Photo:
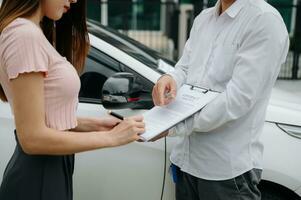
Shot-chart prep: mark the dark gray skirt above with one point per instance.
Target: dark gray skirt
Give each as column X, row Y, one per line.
column 37, row 177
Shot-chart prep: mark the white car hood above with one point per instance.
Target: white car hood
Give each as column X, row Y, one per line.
column 285, row 105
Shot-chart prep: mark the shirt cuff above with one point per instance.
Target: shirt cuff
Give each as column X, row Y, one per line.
column 172, row 132
column 184, row 128
column 176, row 78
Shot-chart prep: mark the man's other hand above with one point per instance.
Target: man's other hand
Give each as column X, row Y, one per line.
column 164, row 91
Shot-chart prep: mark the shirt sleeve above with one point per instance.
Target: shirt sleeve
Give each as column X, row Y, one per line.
column 25, row 52
column 257, row 64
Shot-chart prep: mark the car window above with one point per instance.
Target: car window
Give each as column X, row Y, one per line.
column 98, row 68
column 146, row 84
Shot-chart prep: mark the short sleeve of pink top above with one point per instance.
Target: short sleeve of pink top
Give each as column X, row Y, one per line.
column 24, row 48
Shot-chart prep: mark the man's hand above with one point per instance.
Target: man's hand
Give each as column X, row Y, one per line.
column 164, row 91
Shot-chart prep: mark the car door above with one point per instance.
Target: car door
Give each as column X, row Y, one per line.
column 7, row 137
column 134, row 171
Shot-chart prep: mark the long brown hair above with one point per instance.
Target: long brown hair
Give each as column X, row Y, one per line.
column 69, row 34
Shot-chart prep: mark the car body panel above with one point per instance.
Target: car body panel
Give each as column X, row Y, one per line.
column 135, row 170
column 298, row 192
column 285, row 106
column 281, row 152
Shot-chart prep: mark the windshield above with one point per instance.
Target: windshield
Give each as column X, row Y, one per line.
column 135, row 49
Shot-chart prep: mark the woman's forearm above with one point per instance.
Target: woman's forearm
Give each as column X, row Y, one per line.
column 48, row 141
column 104, row 123
column 41, row 140
column 86, row 125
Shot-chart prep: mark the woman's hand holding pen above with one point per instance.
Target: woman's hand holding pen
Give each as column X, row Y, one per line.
column 164, row 91
column 128, row 130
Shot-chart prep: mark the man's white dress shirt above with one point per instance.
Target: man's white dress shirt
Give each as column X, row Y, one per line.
column 238, row 53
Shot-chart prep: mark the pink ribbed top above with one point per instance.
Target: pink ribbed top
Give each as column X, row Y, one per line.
column 24, row 48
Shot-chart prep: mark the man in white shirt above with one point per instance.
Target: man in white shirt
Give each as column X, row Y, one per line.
column 236, row 48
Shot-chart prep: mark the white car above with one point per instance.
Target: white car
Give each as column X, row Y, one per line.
column 136, row 171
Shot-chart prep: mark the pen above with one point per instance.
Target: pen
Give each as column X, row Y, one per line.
column 115, row 115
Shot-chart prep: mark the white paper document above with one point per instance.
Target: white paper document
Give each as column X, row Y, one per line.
column 189, row 100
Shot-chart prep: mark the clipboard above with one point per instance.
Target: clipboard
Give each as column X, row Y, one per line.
column 205, row 90
column 190, row 100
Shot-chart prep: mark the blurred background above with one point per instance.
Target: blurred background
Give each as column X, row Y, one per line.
column 164, row 25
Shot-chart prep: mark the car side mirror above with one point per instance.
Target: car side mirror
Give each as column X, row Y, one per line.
column 122, row 91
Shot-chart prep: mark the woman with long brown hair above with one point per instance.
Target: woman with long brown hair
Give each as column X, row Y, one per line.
column 43, row 46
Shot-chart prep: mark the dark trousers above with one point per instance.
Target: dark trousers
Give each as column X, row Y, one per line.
column 29, row 177
column 243, row 187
